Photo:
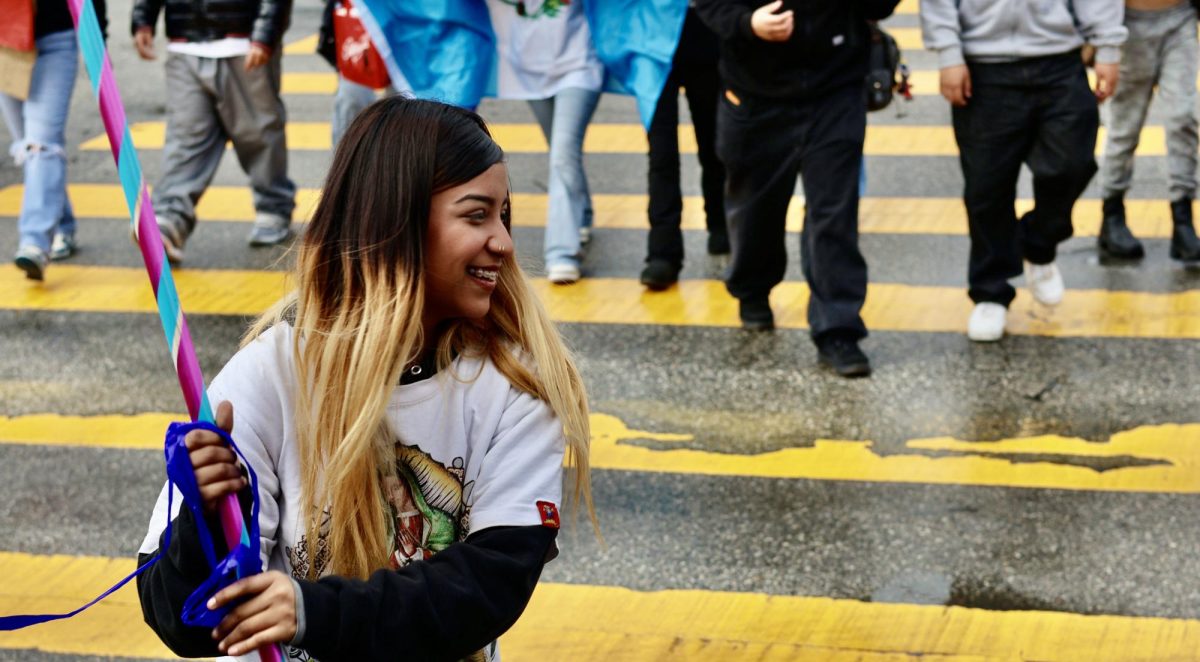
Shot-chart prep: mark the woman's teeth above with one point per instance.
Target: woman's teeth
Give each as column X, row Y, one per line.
column 489, row 275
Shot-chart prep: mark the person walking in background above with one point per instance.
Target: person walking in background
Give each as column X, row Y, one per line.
column 695, row 70
column 1161, row 52
column 794, row 104
column 547, row 57
column 223, row 76
column 1019, row 92
column 350, row 97
column 47, row 222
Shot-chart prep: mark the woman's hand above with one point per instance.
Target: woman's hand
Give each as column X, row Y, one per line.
column 268, row 616
column 216, row 466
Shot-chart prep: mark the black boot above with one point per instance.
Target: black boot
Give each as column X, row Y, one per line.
column 1184, row 244
column 1115, row 238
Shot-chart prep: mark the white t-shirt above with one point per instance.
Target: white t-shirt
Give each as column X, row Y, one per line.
column 540, row 55
column 216, row 49
column 472, row 453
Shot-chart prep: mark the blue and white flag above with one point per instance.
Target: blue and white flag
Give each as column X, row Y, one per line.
column 460, row 51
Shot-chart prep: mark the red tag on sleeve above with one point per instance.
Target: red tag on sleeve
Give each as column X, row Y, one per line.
column 549, row 514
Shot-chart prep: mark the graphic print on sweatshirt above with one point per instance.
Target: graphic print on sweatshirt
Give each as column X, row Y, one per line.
column 429, row 512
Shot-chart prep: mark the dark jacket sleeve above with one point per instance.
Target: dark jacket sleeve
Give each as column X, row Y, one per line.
column 165, row 586
column 729, row 19
column 445, row 608
column 877, row 10
column 326, row 46
column 272, row 22
column 145, row 14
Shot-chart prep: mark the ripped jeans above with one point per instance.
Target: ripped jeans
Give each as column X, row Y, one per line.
column 45, row 207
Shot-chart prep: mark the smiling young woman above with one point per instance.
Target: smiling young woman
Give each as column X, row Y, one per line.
column 407, row 409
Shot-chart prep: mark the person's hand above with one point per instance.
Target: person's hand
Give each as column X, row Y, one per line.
column 268, row 616
column 768, row 25
column 1107, row 76
column 216, row 466
column 258, row 56
column 956, row 84
column 143, row 41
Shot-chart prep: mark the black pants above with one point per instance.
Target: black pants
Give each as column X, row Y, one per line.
column 701, row 83
column 1040, row 112
column 764, row 143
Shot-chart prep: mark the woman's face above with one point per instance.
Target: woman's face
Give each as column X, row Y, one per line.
column 465, row 246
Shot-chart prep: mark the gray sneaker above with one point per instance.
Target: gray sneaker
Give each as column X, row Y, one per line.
column 33, row 261
column 269, row 230
column 172, row 240
column 63, row 246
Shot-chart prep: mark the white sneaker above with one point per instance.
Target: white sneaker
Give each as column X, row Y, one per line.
column 563, row 274
column 987, row 322
column 585, row 235
column 62, row 247
column 1045, row 283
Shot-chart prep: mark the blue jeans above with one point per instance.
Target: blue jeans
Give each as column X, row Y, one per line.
column 45, row 207
column 564, row 119
column 349, row 100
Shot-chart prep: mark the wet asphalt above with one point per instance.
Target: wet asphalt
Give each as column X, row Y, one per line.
column 736, row 392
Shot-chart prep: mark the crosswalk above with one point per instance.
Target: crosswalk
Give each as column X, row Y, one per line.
column 882, row 140
column 720, row 497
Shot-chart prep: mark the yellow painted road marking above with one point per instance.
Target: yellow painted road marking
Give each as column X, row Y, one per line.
column 907, row 7
column 882, row 140
column 1176, row 449
column 889, row 306
column 877, row 215
column 303, row 46
column 924, row 82
column 581, row 622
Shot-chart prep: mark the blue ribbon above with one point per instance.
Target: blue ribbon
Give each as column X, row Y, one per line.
column 242, row 561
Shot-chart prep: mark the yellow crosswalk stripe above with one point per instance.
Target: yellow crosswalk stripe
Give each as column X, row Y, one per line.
column 924, row 82
column 877, row 215
column 1166, row 454
column 303, row 46
column 889, row 306
column 583, row 622
column 882, row 140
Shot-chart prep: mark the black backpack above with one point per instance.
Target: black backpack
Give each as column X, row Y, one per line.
column 883, row 63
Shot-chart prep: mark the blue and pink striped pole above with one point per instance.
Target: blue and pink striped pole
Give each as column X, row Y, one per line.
column 145, row 227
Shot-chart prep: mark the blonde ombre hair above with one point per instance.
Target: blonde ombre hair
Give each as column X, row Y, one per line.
column 357, row 309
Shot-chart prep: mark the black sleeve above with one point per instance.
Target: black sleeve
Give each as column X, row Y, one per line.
column 272, row 22
column 102, row 16
column 165, row 586
column 442, row 609
column 729, row 19
column 145, row 14
column 877, row 10
column 326, row 47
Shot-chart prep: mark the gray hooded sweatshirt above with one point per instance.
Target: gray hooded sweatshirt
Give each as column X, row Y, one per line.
column 1011, row 30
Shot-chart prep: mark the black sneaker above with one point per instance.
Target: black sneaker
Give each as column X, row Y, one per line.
column 718, row 243
column 756, row 314
column 842, row 355
column 659, row 275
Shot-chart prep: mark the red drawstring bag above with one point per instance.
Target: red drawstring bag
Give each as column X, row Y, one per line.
column 357, row 59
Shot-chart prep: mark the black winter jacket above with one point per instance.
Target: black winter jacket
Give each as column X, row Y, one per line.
column 827, row 49
column 263, row 21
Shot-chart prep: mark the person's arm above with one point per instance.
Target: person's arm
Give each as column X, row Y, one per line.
column 941, row 31
column 145, row 15
column 729, row 19
column 165, row 586
column 445, row 608
column 272, row 20
column 877, row 10
column 1102, row 24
